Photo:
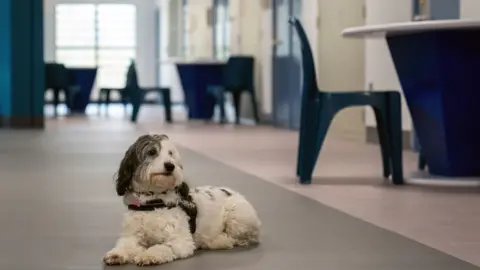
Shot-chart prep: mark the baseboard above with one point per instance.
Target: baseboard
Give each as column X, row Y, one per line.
column 372, row 137
column 266, row 119
column 22, row 122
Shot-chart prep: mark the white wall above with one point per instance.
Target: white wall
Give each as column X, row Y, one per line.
column 235, row 15
column 341, row 62
column 379, row 68
column 170, row 42
column 145, row 34
column 199, row 32
column 246, row 15
column 245, row 35
column 469, row 9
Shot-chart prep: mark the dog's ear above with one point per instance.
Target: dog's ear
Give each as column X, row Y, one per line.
column 184, row 191
column 126, row 171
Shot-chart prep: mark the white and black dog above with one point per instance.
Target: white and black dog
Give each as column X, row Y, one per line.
column 166, row 220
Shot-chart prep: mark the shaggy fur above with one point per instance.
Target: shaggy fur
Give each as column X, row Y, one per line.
column 151, row 172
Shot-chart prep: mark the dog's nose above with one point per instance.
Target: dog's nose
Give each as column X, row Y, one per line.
column 169, row 167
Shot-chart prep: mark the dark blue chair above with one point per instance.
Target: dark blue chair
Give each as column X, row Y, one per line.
column 238, row 77
column 135, row 94
column 320, row 107
column 57, row 78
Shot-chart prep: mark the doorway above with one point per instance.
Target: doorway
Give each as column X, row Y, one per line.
column 286, row 61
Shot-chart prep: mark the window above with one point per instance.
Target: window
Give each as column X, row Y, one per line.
column 221, row 29
column 75, row 34
column 116, row 42
column 102, row 35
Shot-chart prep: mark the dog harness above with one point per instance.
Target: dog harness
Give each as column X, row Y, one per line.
column 189, row 207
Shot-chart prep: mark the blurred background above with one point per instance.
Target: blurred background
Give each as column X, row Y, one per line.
column 228, row 80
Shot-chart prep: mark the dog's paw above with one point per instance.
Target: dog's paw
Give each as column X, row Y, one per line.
column 222, row 241
column 146, row 259
column 115, row 258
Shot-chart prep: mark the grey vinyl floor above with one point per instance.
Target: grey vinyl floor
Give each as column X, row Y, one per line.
column 59, row 211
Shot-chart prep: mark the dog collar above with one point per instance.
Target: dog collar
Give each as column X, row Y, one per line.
column 150, row 205
column 189, row 208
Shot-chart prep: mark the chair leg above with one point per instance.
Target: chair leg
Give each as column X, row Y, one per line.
column 124, row 99
column 306, row 143
column 56, row 101
column 219, row 94
column 237, row 102
column 315, row 134
column 135, row 110
column 384, row 143
column 395, row 137
column 100, row 101
column 253, row 99
column 306, row 117
column 221, row 104
column 167, row 103
column 422, row 161
column 107, row 100
column 136, row 100
column 300, row 149
column 66, row 94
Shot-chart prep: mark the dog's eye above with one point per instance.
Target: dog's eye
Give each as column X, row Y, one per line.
column 152, row 152
column 170, row 153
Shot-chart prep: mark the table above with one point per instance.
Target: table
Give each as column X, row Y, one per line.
column 438, row 65
column 83, row 78
column 196, row 77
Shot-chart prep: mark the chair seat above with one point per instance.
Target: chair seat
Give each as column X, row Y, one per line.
column 353, row 98
column 135, row 95
column 155, row 89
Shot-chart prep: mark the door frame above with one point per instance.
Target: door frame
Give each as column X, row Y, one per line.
column 158, row 45
column 310, row 19
column 290, row 97
column 275, row 46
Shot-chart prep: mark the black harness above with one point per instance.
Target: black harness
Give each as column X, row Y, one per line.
column 188, row 207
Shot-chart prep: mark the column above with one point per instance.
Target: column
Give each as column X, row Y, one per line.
column 21, row 64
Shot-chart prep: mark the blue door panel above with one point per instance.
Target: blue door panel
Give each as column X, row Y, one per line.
column 286, row 66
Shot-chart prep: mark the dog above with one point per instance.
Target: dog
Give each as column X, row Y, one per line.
column 166, row 220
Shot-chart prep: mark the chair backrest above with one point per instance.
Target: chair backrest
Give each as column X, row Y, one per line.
column 239, row 73
column 56, row 76
column 308, row 65
column 131, row 80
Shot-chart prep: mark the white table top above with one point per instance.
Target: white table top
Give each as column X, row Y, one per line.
column 199, row 61
column 381, row 30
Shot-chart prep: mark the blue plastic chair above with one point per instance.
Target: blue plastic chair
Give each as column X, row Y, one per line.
column 238, row 77
column 320, row 107
column 133, row 93
column 57, row 79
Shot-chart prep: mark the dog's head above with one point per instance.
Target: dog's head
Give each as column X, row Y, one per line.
column 151, row 164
